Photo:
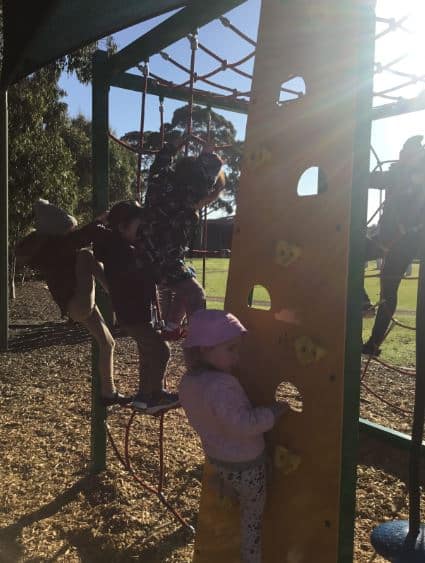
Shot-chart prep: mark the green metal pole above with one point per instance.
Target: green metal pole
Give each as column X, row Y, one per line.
column 129, row 81
column 4, row 224
column 100, row 151
column 360, row 181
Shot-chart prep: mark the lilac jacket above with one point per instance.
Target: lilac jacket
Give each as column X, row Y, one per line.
column 218, row 409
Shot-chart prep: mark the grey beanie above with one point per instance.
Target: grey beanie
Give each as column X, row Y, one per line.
column 52, row 220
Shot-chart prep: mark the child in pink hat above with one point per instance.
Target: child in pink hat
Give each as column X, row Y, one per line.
column 230, row 428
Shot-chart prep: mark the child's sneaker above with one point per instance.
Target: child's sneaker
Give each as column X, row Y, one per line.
column 370, row 349
column 368, row 310
column 116, row 399
column 165, row 401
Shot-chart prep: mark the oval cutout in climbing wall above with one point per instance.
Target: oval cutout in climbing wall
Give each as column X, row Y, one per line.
column 287, row 391
column 290, row 90
column 259, row 298
column 312, row 182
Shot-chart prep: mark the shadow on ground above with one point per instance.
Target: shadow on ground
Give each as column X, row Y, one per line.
column 27, row 337
column 91, row 547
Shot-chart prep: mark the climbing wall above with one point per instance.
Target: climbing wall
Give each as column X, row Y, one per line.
column 295, row 246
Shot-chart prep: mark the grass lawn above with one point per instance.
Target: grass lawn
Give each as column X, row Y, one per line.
column 406, row 293
column 216, row 278
column 399, row 347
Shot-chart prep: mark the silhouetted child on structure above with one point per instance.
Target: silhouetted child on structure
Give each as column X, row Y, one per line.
column 230, row 428
column 399, row 231
column 57, row 249
column 177, row 190
column 132, row 289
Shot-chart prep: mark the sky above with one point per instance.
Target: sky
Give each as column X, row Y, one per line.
column 388, row 135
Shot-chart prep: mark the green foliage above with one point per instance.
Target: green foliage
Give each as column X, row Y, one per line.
column 122, row 172
column 80, row 61
column 40, row 163
column 222, row 131
column 49, row 155
column 122, row 166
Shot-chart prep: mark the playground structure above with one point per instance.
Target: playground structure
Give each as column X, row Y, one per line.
column 321, row 361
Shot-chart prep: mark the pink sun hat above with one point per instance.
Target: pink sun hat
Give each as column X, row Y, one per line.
column 209, row 327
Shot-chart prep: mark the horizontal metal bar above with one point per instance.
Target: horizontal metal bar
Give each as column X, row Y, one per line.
column 397, row 439
column 133, row 82
column 399, row 108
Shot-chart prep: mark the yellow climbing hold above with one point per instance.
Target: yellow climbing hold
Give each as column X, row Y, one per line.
column 286, row 461
column 308, row 351
column 286, row 253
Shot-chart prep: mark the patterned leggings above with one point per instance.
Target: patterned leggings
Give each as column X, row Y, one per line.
column 250, row 488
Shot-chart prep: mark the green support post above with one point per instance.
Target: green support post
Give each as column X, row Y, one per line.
column 4, row 224
column 360, row 182
column 100, row 203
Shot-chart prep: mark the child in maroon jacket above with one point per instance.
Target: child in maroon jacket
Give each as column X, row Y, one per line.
column 132, row 289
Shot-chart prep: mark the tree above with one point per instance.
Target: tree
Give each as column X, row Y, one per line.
column 222, row 132
column 122, row 172
column 122, row 166
column 40, row 163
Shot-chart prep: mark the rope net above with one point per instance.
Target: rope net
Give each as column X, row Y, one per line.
column 399, row 77
column 398, row 55
column 125, row 457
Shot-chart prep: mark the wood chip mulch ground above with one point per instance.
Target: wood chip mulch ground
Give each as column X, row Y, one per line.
column 51, row 510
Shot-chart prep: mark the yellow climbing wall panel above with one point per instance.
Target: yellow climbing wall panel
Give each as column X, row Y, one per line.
column 297, row 248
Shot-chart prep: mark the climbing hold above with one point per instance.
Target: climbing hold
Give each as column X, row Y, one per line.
column 258, row 158
column 286, row 253
column 308, row 351
column 286, row 461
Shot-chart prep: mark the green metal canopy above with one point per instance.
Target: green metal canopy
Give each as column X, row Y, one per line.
column 36, row 33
